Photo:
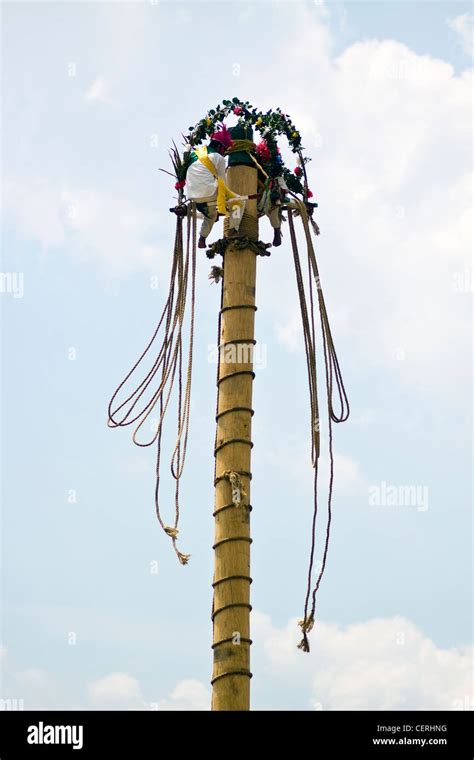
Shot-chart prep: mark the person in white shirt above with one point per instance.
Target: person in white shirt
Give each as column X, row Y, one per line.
column 202, row 184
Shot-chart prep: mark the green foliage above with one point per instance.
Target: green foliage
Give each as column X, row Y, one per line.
column 180, row 163
column 270, row 125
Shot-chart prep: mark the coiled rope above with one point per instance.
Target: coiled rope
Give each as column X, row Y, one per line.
column 334, row 381
column 142, row 401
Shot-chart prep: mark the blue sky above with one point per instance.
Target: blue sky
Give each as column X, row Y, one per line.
column 93, row 95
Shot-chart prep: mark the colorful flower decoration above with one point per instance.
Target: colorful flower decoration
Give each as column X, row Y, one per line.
column 271, row 125
column 263, row 152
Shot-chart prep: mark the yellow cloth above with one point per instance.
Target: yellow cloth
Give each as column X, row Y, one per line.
column 223, row 192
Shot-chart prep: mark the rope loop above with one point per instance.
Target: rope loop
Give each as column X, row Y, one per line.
column 153, row 392
column 333, row 382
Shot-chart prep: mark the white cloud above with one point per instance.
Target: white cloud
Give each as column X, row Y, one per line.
column 111, row 228
column 37, row 688
column 189, row 694
column 98, row 91
column 94, row 224
column 122, row 691
column 390, row 135
column 463, row 26
column 290, row 332
column 35, row 206
column 381, row 664
column 35, row 677
column 116, row 691
column 296, row 454
column 348, row 475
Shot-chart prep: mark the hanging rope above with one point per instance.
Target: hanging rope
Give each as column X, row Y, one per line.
column 334, row 381
column 143, row 400
column 155, row 388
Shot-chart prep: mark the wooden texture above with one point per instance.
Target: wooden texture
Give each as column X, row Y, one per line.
column 232, row 557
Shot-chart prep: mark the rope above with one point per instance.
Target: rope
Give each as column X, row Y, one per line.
column 235, row 481
column 235, row 409
column 239, row 306
column 249, row 147
column 333, row 378
column 142, row 401
column 241, row 672
column 232, row 538
column 233, row 440
column 231, row 506
column 241, row 146
column 232, row 578
column 220, row 246
column 216, row 274
column 230, row 606
column 235, row 374
column 231, row 640
column 248, row 227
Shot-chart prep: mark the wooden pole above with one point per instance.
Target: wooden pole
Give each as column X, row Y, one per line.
column 231, row 605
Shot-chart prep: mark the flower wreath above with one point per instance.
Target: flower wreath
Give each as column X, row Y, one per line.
column 269, row 124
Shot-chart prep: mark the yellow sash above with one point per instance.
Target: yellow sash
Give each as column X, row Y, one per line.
column 223, row 192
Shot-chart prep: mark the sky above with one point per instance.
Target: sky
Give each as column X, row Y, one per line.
column 96, row 611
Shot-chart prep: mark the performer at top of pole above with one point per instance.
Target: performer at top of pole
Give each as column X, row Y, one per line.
column 205, row 173
column 200, row 172
column 272, row 188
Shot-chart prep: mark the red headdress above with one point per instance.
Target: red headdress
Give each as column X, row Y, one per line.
column 223, row 136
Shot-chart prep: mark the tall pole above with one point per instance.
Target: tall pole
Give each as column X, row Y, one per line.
column 231, row 605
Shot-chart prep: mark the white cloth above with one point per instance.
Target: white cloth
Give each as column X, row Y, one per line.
column 200, row 182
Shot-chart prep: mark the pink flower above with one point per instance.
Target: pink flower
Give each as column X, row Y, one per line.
column 180, row 184
column 263, row 152
column 298, row 171
column 237, row 110
column 309, row 194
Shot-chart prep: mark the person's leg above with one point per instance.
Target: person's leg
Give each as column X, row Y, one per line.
column 275, row 220
column 209, row 211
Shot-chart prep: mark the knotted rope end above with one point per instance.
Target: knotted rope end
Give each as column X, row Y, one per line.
column 216, row 274
column 237, row 488
column 304, row 644
column 306, row 626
